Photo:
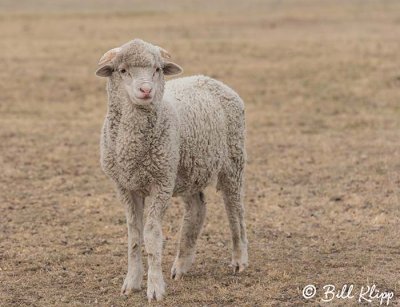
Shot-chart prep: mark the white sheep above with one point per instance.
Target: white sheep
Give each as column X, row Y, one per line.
column 162, row 139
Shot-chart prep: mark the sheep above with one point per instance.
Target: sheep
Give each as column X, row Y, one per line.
column 163, row 139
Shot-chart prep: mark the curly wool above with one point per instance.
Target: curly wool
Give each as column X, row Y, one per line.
column 184, row 140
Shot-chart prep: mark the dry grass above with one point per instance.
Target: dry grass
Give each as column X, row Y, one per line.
column 321, row 84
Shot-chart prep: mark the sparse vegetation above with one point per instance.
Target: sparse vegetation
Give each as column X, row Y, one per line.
column 321, row 85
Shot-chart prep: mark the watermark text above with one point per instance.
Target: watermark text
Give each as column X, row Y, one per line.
column 361, row 294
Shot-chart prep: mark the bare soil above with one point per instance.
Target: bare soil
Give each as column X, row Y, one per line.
column 321, row 84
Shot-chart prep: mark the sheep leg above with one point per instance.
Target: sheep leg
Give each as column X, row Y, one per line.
column 235, row 211
column 231, row 184
column 195, row 212
column 134, row 216
column 153, row 239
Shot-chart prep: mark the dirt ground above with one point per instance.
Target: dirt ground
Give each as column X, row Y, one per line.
column 321, row 85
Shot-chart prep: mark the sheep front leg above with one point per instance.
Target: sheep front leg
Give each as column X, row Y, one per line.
column 134, row 217
column 153, row 239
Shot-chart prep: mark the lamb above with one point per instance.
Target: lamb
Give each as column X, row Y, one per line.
column 162, row 139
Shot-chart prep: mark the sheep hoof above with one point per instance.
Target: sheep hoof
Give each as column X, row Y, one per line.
column 238, row 267
column 155, row 289
column 181, row 267
column 130, row 284
column 175, row 274
column 156, row 296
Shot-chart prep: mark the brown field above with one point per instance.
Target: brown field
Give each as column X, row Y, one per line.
column 321, row 82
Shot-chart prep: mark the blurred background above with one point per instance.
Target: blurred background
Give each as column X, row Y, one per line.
column 320, row 80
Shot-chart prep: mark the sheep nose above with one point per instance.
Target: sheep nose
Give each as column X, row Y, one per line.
column 145, row 88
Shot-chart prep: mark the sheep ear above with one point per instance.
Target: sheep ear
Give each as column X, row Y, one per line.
column 104, row 71
column 172, row 69
column 105, row 63
column 109, row 56
column 164, row 53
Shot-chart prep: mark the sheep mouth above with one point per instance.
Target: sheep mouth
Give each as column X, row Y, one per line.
column 145, row 99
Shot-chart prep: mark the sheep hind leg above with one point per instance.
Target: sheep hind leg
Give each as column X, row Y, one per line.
column 232, row 192
column 195, row 212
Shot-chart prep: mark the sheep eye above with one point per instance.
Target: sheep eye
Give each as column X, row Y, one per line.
column 156, row 71
column 122, row 71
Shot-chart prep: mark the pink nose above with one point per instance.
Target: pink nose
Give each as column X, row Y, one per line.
column 145, row 88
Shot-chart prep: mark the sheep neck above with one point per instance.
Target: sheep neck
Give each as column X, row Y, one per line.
column 129, row 136
column 124, row 117
column 137, row 119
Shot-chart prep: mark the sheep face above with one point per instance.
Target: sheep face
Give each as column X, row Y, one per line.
column 141, row 83
column 140, row 68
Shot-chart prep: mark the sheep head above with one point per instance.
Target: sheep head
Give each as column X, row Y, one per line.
column 140, row 66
